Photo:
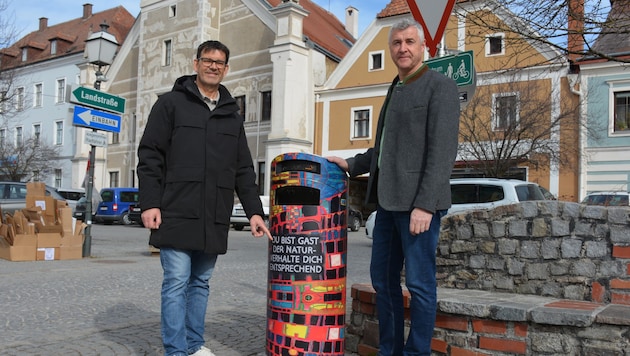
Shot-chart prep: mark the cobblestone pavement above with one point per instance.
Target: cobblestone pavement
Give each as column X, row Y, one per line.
column 109, row 303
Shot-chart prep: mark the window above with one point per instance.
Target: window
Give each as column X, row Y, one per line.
column 38, row 95
column 115, row 137
column 261, row 178
column 19, row 136
column 172, row 11
column 58, row 178
column 505, row 111
column 37, row 128
column 495, row 44
column 240, row 101
column 361, row 122
column 53, row 47
column 24, row 54
column 113, row 179
column 265, row 110
column 59, row 133
column 61, row 91
column 3, row 136
column 19, row 99
column 167, row 49
column 376, row 60
column 622, row 112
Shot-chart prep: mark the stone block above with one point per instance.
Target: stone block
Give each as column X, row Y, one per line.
column 530, row 249
column 508, row 246
column 562, row 316
column 595, row 212
column 620, row 234
column 518, row 228
column 537, row 271
column 481, row 230
column 560, row 227
column 585, row 268
column 571, row 248
column 596, row 249
column 499, row 229
column 618, row 215
column 540, row 228
column 551, row 248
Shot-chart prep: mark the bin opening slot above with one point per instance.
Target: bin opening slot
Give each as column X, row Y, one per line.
column 298, row 165
column 296, row 195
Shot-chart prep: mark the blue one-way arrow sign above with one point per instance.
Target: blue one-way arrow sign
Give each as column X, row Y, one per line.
column 95, row 119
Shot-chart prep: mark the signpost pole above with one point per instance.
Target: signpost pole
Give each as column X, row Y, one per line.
column 87, row 245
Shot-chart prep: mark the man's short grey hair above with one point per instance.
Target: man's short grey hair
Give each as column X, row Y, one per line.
column 405, row 24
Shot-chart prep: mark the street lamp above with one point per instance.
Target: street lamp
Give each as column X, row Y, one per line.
column 100, row 49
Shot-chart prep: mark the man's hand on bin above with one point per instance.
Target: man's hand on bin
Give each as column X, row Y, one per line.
column 341, row 162
column 258, row 226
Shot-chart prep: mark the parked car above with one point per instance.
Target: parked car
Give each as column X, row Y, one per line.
column 488, row 193
column 482, row 193
column 369, row 224
column 13, row 196
column 72, row 195
column 135, row 214
column 80, row 209
column 608, row 199
column 115, row 204
column 239, row 220
column 355, row 219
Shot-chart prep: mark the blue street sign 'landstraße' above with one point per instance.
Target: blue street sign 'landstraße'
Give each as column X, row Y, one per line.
column 95, row 119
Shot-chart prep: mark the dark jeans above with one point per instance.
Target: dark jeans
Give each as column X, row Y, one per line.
column 392, row 246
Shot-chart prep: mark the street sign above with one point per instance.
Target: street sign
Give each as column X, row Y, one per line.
column 95, row 139
column 98, row 99
column 433, row 16
column 459, row 67
column 95, row 119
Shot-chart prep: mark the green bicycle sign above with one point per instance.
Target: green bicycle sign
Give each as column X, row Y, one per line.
column 458, row 67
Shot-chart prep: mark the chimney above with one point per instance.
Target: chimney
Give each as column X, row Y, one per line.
column 43, row 23
column 575, row 35
column 352, row 21
column 87, row 10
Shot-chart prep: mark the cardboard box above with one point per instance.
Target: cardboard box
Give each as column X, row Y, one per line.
column 47, row 204
column 50, row 239
column 65, row 220
column 71, row 252
column 35, row 188
column 24, row 248
column 47, row 253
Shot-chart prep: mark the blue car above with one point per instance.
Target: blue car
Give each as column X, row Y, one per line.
column 115, row 205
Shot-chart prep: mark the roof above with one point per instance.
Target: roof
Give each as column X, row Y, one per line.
column 615, row 40
column 70, row 35
column 324, row 29
column 400, row 7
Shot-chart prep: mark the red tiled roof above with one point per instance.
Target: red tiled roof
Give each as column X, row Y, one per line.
column 395, row 7
column 399, row 7
column 324, row 29
column 73, row 33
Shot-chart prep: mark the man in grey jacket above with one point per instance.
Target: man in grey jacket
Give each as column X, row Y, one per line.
column 410, row 166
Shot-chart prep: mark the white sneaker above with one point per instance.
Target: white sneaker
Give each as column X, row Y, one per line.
column 203, row 351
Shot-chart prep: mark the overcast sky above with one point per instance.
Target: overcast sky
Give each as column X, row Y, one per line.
column 26, row 13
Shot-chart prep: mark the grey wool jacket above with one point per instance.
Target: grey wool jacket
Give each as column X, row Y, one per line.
column 418, row 128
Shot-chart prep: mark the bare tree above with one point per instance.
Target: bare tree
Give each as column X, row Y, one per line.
column 520, row 126
column 31, row 159
column 574, row 28
column 11, row 99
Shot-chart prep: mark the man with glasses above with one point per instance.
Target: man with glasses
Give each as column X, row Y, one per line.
column 192, row 156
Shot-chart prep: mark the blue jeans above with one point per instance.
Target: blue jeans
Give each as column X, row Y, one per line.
column 392, row 246
column 185, row 293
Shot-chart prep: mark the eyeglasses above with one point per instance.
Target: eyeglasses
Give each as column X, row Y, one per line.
column 209, row 61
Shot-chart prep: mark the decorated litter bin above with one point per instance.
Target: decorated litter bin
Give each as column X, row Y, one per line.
column 306, row 300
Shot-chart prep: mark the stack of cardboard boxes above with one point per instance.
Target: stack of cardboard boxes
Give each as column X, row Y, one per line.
column 44, row 231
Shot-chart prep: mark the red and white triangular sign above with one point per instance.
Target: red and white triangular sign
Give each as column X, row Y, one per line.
column 433, row 16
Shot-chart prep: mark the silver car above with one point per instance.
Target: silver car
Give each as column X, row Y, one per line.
column 13, row 196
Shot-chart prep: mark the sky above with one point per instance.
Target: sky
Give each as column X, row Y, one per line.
column 26, row 13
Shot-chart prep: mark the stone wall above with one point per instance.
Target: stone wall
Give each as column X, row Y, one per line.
column 536, row 278
column 547, row 248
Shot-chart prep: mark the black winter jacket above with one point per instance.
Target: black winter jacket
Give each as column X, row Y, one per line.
column 190, row 162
